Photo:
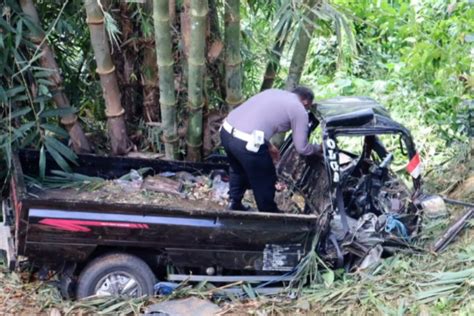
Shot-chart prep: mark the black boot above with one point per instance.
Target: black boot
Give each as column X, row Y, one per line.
column 237, row 206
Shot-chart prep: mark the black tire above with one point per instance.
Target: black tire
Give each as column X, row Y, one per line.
column 116, row 263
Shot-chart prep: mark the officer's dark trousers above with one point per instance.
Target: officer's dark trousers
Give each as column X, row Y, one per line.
column 249, row 170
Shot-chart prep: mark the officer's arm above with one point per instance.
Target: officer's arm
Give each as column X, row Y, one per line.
column 299, row 127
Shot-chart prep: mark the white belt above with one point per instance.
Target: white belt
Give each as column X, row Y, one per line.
column 236, row 133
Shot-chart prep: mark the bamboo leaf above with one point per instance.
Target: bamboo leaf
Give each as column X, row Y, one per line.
column 19, row 33
column 21, row 131
column 14, row 91
column 3, row 95
column 436, row 292
column 112, row 308
column 30, row 138
column 55, row 129
column 61, row 148
column 42, row 99
column 58, row 112
column 42, row 163
column 20, row 98
column 45, row 82
column 57, row 158
column 113, row 31
column 5, row 25
column 463, row 274
column 76, row 176
column 28, row 64
column 20, row 112
column 43, row 73
column 249, row 291
column 328, row 278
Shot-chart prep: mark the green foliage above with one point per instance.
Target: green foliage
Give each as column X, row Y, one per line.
column 62, row 180
column 414, row 59
column 27, row 117
column 262, row 22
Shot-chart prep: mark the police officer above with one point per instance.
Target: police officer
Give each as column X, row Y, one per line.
column 246, row 134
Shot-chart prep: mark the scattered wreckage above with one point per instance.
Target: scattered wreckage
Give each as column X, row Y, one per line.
column 107, row 242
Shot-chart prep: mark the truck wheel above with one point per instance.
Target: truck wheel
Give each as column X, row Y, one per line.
column 116, row 274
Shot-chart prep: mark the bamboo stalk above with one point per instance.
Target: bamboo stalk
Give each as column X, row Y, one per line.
column 172, row 11
column 149, row 72
column 164, row 56
column 119, row 140
column 124, row 60
column 80, row 143
column 150, row 80
column 301, row 48
column 216, row 66
column 298, row 59
column 274, row 59
column 196, row 71
column 233, row 60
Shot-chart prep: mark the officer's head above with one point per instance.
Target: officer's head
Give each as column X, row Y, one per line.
column 305, row 94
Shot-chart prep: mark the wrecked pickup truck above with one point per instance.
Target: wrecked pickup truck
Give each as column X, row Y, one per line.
column 351, row 203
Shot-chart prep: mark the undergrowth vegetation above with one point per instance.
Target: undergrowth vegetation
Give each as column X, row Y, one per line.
column 414, row 58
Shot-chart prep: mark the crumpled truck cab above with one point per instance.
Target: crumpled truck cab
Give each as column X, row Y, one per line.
column 366, row 209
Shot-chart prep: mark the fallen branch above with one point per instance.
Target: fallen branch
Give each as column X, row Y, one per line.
column 452, row 231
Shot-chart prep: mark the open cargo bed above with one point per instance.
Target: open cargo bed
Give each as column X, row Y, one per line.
column 50, row 224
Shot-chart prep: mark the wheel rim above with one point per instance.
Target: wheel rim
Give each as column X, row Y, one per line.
column 118, row 283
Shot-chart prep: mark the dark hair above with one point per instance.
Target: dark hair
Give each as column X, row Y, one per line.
column 304, row 93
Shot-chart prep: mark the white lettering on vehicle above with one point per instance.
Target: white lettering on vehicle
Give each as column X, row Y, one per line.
column 332, row 156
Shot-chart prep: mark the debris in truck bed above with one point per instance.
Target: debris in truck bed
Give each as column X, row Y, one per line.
column 162, row 184
column 154, row 190
column 168, row 189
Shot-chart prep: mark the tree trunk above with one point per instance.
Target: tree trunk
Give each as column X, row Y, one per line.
column 124, row 60
column 119, row 140
column 164, row 56
column 301, row 48
column 275, row 55
column 150, row 84
column 149, row 71
column 196, row 72
column 79, row 141
column 214, row 19
column 172, row 11
column 298, row 59
column 233, row 60
column 216, row 67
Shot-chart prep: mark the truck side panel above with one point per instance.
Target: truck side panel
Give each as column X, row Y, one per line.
column 208, row 238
